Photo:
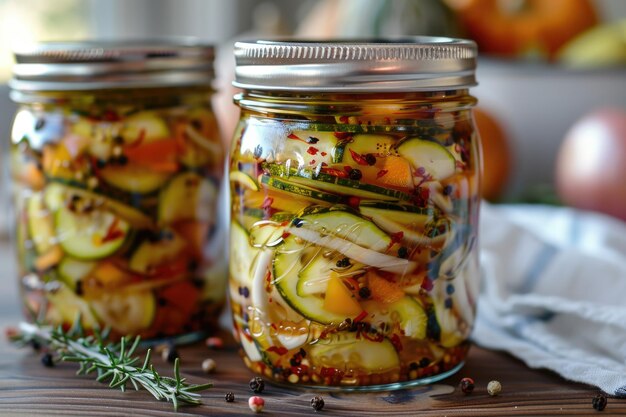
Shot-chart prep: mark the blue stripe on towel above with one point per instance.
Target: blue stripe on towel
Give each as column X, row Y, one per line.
column 542, row 260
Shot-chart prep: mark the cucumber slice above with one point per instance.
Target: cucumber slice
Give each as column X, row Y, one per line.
column 345, row 351
column 348, row 226
column 65, row 306
column 40, row 224
column 407, row 215
column 72, row 270
column 379, row 145
column 188, row 196
column 302, row 191
column 289, row 260
column 431, row 156
column 243, row 180
column 151, row 254
column 353, row 188
column 91, row 235
column 241, row 255
column 126, row 312
column 313, row 279
column 134, row 179
column 57, row 194
column 406, row 312
column 266, row 234
column 146, row 125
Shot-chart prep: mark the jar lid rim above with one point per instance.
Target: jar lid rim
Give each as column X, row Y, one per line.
column 360, row 65
column 106, row 64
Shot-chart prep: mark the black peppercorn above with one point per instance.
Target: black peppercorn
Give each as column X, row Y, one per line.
column 424, row 362
column 365, row 292
column 229, row 397
column 317, row 403
column 403, row 252
column 47, row 360
column 257, row 384
column 599, row 402
column 40, row 123
column 355, row 174
column 447, row 190
column 467, row 385
column 370, row 158
column 343, row 263
column 170, row 354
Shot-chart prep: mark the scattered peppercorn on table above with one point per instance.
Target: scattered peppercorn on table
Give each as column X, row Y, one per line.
column 28, row 387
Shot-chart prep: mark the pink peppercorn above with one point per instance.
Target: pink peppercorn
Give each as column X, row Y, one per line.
column 256, row 403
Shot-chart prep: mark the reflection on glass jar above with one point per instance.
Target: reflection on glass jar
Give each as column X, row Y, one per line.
column 354, row 225
column 116, row 193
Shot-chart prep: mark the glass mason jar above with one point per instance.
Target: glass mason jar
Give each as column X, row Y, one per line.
column 354, row 179
column 117, row 163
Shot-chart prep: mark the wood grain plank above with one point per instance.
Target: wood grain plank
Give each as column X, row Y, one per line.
column 28, row 388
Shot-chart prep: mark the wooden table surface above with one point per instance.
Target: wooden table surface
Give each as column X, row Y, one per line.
column 28, row 388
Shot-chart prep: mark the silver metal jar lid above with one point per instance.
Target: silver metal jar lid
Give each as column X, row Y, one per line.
column 409, row 64
column 98, row 65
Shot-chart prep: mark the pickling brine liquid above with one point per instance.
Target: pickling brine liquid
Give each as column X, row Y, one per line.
column 116, row 196
column 353, row 259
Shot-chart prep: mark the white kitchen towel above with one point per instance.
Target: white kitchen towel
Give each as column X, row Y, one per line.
column 554, row 291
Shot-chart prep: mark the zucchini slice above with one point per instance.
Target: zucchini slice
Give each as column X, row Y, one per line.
column 243, row 180
column 126, row 312
column 90, row 235
column 65, row 306
column 72, row 270
column 289, row 260
column 188, row 196
column 431, row 156
column 345, row 351
column 407, row 313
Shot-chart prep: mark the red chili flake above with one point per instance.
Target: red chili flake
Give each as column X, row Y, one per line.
column 397, row 237
column 460, row 164
column 113, row 232
column 395, row 340
column 354, row 202
column 360, row 317
column 342, row 135
column 328, row 372
column 323, row 154
column 387, row 121
column 358, row 158
column 312, row 150
column 382, row 173
column 344, row 119
column 312, row 162
column 427, row 284
column 267, row 203
column 347, row 169
column 279, row 350
column 285, row 235
column 334, row 172
column 111, row 116
column 293, row 136
column 373, row 337
column 424, row 193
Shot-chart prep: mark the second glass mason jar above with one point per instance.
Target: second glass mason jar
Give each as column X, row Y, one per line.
column 117, row 164
column 354, row 179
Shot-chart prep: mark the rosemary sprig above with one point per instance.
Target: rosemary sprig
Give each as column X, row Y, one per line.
column 114, row 361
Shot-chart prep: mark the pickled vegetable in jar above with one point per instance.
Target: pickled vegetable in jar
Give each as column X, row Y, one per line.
column 354, row 179
column 117, row 165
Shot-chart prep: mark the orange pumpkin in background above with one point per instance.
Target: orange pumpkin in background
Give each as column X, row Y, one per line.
column 497, row 156
column 524, row 27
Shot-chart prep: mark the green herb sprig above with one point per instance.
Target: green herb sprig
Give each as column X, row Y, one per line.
column 114, row 361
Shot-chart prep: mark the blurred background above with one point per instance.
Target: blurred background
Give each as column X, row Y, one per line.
column 552, row 73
